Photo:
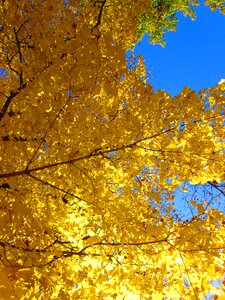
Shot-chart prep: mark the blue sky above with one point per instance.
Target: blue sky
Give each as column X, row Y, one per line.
column 194, row 55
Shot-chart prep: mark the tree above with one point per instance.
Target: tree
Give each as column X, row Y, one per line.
column 90, row 159
column 160, row 16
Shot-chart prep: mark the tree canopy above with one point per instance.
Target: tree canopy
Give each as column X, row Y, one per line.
column 91, row 158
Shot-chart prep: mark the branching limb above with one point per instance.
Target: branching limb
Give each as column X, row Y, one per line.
column 215, row 185
column 59, row 189
column 9, row 99
column 102, row 4
column 94, row 153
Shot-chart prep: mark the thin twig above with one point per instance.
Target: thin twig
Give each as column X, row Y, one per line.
column 59, row 189
column 216, row 187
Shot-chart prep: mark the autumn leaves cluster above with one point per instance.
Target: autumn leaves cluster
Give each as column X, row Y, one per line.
column 91, row 157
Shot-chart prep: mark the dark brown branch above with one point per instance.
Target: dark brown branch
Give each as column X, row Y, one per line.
column 94, row 153
column 14, row 138
column 18, row 45
column 3, row 94
column 56, row 241
column 103, row 2
column 85, row 174
column 14, row 70
column 13, row 94
column 8, row 101
column 214, row 185
column 59, row 189
column 20, row 56
column 9, row 60
column 125, row 244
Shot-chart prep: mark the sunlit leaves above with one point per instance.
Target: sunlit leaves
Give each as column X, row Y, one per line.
column 91, row 157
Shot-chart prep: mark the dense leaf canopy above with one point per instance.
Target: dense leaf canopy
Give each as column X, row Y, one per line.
column 91, row 157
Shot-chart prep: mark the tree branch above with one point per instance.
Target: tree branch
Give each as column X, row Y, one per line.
column 59, row 189
column 94, row 153
column 216, row 187
column 103, row 2
column 9, row 99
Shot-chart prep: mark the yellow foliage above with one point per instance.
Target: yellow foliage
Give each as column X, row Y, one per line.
column 88, row 154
